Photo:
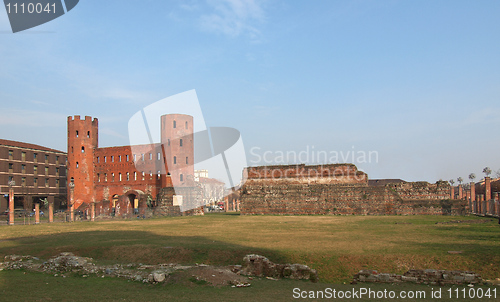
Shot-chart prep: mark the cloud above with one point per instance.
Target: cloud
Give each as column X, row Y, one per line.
column 234, row 17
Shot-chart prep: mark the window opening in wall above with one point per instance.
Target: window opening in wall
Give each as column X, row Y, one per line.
column 88, row 134
column 112, row 159
column 35, row 170
column 98, row 177
column 76, row 133
column 57, row 159
column 47, row 170
column 135, row 157
column 119, row 158
column 158, row 156
column 135, row 175
column 119, row 177
column 104, row 158
column 150, row 156
column 98, row 159
column 35, row 182
column 23, row 156
column 34, row 157
column 23, row 180
column 128, row 176
column 186, row 125
column 175, row 159
column 181, row 142
column 105, row 176
column 76, row 167
column 57, row 171
column 142, row 156
column 174, row 124
column 143, row 174
column 11, row 168
column 57, row 183
column 181, row 177
column 112, row 177
column 23, row 168
column 83, row 149
column 187, row 160
column 158, row 174
column 150, row 174
column 11, row 154
column 71, row 149
column 169, row 142
column 46, row 158
column 46, row 182
column 126, row 157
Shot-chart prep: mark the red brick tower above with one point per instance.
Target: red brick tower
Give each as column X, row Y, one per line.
column 178, row 148
column 82, row 142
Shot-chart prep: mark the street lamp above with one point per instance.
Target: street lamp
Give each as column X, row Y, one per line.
column 11, row 184
column 71, row 201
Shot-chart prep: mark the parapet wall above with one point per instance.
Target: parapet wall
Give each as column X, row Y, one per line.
column 345, row 194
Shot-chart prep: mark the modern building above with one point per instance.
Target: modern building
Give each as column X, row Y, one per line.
column 34, row 171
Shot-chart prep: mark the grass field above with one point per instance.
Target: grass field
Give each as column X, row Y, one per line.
column 337, row 246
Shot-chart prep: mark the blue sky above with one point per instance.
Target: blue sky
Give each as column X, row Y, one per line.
column 416, row 81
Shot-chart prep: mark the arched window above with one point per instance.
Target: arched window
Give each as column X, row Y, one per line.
column 88, row 134
column 175, row 159
column 181, row 142
column 174, row 124
column 119, row 177
column 77, row 165
column 83, row 149
column 76, row 133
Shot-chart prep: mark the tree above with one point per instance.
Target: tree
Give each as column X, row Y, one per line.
column 451, row 181
column 498, row 173
column 472, row 176
column 487, row 171
column 460, row 179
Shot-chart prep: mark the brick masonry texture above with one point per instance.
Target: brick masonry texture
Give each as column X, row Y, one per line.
column 339, row 189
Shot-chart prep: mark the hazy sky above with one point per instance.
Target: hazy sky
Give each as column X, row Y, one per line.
column 417, row 82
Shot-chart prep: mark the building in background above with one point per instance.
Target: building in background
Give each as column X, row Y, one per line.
column 38, row 173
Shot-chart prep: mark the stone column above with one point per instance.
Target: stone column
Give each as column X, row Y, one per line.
column 92, row 211
column 51, row 211
column 37, row 213
column 487, row 188
column 472, row 191
column 452, row 192
column 460, row 192
column 11, row 206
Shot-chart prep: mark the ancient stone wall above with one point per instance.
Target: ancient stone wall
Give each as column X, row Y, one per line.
column 265, row 193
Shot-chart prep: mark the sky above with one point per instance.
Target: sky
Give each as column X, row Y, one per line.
column 411, row 88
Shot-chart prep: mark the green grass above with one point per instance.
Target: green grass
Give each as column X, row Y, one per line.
column 337, row 246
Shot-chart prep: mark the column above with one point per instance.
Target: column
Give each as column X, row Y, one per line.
column 11, row 206
column 37, row 213
column 487, row 185
column 452, row 192
column 460, row 192
column 51, row 208
column 92, row 211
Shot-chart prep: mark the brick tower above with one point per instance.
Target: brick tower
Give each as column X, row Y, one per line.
column 178, row 148
column 82, row 142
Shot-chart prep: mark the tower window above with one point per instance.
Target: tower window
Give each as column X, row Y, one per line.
column 112, row 159
column 119, row 177
column 159, row 156
column 83, row 149
column 34, row 157
column 186, row 125
column 71, row 149
column 35, row 182
column 128, row 176
column 143, row 174
column 158, row 174
column 135, row 175
column 88, row 134
column 169, row 142
column 46, row 182
column 181, row 142
column 23, row 168
column 174, row 124
column 182, row 178
column 126, row 157
column 142, row 156
column 76, row 167
column 76, row 133
column 119, row 158
column 112, row 177
column 104, row 158
column 98, row 178
column 98, row 159
column 105, row 176
column 135, row 157
column 23, row 156
column 187, row 160
column 175, row 159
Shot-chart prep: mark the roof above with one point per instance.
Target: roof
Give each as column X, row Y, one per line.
column 209, row 180
column 6, row 142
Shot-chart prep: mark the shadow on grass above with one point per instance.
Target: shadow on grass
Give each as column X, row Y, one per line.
column 135, row 246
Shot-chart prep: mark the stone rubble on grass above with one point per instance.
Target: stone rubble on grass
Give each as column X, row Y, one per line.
column 427, row 276
column 66, row 264
column 256, row 265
